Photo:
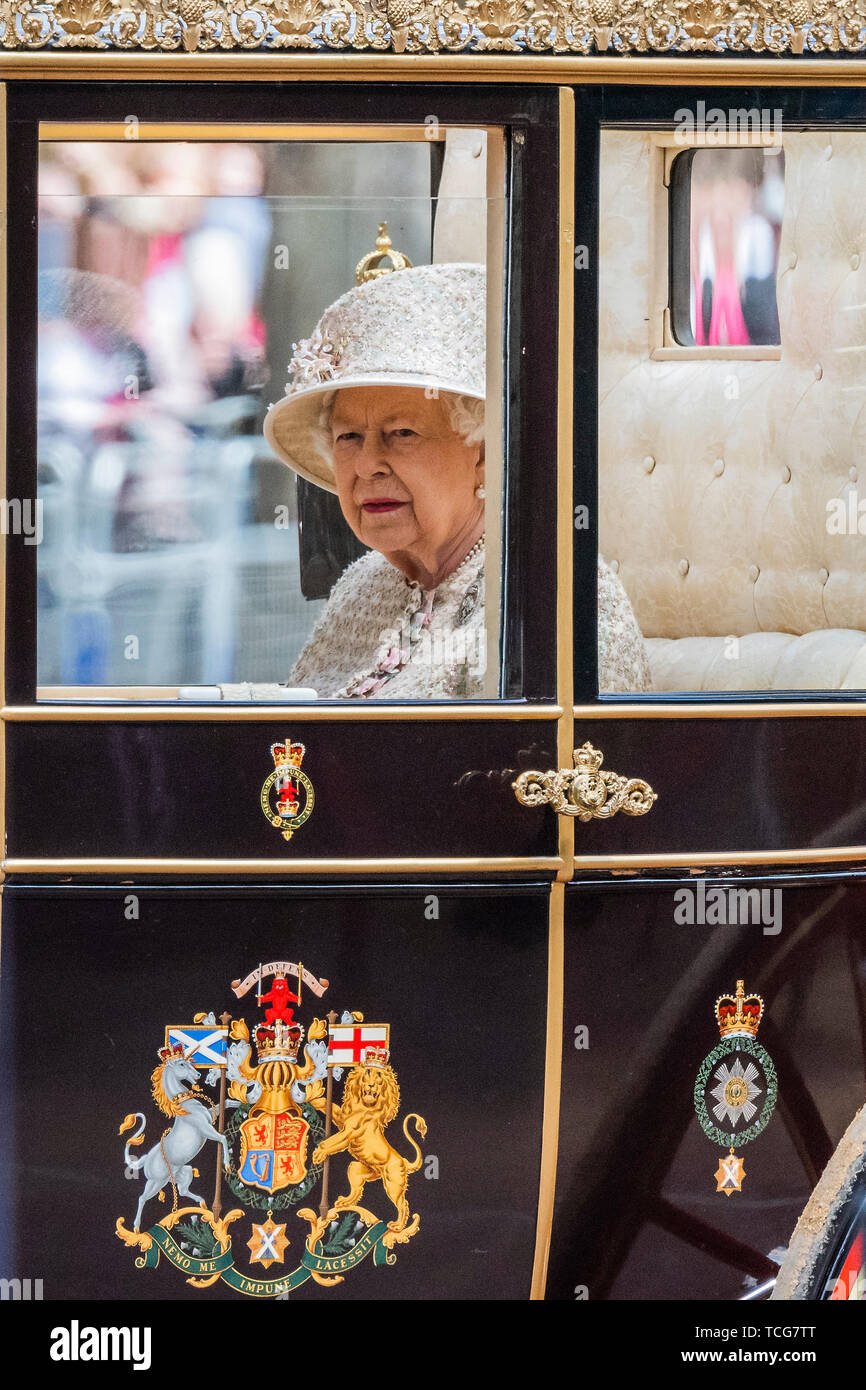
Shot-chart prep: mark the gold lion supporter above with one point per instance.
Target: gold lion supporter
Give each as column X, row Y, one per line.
column 385, row 408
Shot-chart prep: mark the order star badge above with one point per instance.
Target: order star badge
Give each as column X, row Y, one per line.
column 729, row 1174
column 736, row 1085
column 268, row 1243
column 736, row 1093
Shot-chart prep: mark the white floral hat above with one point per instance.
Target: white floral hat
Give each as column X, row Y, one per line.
column 424, row 327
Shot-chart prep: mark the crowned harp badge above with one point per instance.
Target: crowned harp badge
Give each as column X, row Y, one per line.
column 736, row 1085
column 287, row 793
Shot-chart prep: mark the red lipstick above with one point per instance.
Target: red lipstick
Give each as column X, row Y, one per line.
column 381, row 504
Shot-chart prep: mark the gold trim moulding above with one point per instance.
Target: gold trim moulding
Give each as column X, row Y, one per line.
column 552, row 1089
column 252, row 713
column 806, row 709
column 565, row 456
column 706, row 859
column 61, row 131
column 235, row 64
column 280, row 867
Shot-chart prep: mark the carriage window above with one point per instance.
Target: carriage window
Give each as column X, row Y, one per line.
column 269, row 448
column 732, row 489
column 725, row 227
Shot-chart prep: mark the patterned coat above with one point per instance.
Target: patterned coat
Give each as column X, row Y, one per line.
column 369, row 615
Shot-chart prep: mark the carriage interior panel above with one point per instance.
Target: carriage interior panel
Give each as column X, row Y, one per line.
column 731, row 337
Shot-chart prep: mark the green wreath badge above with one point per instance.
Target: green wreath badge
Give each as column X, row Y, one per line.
column 745, row 1089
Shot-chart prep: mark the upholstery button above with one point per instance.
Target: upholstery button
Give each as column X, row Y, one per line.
column 719, row 467
column 819, row 371
column 855, row 261
column 649, row 464
column 683, row 567
column 792, row 259
column 786, row 474
column 823, row 575
column 852, row 474
column 753, row 572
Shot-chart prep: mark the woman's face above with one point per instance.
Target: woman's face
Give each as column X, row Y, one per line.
column 405, row 481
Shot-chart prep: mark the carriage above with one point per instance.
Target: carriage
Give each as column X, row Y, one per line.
column 579, row 966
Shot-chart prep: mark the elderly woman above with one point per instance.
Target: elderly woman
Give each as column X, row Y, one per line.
column 386, row 409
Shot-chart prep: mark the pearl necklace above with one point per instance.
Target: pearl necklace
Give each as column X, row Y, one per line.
column 470, row 555
column 477, row 549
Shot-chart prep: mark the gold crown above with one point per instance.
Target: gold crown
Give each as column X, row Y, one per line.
column 371, row 267
column 736, row 1014
column 278, row 1039
column 588, row 759
column 288, row 752
column 375, row 1056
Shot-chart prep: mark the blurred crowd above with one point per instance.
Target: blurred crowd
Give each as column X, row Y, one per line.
column 152, row 359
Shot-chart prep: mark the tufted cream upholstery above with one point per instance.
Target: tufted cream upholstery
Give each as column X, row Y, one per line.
column 715, row 475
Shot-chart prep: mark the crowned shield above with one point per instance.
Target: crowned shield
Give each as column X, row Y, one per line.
column 273, row 1151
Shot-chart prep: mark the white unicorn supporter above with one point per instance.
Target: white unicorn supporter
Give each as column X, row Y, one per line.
column 169, row 1159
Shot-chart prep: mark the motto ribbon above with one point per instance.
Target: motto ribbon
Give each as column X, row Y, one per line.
column 278, row 967
column 223, row 1265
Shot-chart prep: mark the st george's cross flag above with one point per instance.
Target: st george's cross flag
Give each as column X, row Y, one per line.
column 347, row 1042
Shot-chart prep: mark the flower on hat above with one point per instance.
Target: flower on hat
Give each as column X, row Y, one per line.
column 313, row 361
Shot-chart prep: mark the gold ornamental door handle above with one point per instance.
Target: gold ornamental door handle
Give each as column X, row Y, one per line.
column 584, row 790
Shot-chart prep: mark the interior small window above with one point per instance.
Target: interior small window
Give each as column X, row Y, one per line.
column 725, row 223
column 730, row 471
column 225, row 320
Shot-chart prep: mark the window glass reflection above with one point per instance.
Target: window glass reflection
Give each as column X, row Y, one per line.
column 736, row 197
column 176, row 282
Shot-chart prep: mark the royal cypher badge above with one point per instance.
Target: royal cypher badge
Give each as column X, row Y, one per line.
column 275, row 1126
column 745, row 1085
column 281, row 791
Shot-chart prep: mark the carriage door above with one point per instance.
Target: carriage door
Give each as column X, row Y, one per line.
column 257, row 939
column 713, row 961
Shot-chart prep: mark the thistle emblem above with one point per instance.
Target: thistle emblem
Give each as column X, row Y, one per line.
column 735, row 1089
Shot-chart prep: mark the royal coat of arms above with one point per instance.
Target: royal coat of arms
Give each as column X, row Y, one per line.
column 266, row 1101
column 744, row 1095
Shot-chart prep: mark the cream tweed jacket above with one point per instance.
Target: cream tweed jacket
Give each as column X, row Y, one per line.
column 370, row 611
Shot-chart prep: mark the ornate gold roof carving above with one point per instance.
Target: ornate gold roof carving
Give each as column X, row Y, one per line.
column 587, row 27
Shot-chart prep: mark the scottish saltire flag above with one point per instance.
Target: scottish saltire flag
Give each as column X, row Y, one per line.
column 347, row 1042
column 209, row 1042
